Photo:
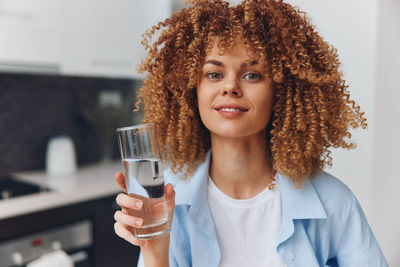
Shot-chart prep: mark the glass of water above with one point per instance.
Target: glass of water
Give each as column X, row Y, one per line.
column 144, row 178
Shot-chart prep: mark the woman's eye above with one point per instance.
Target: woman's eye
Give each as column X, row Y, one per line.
column 213, row 75
column 252, row 76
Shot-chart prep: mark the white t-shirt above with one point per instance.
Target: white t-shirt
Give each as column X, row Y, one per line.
column 247, row 229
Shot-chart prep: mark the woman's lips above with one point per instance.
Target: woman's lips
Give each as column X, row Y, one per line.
column 230, row 110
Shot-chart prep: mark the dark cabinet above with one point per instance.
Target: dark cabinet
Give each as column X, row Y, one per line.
column 107, row 250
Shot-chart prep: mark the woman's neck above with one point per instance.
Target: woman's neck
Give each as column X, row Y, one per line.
column 240, row 167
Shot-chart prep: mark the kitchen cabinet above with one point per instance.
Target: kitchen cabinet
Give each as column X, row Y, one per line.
column 107, row 250
column 71, row 37
column 107, row 35
column 32, row 36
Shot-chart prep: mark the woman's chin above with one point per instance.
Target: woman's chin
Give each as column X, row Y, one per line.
column 237, row 133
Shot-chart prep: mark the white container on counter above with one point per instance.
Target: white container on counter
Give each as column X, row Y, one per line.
column 60, row 156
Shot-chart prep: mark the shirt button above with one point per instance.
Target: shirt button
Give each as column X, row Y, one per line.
column 291, row 256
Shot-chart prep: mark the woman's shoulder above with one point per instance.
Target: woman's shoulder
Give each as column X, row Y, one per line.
column 320, row 196
column 333, row 193
column 325, row 183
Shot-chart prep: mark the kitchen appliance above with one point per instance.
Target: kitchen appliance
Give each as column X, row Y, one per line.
column 10, row 187
column 75, row 239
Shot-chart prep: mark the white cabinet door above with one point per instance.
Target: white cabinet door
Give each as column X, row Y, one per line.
column 108, row 34
column 77, row 37
column 32, row 35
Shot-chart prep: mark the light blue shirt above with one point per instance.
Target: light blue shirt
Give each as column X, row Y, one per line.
column 322, row 224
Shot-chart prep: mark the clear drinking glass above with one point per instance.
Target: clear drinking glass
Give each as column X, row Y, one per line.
column 144, row 178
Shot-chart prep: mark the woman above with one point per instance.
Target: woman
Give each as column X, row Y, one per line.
column 248, row 100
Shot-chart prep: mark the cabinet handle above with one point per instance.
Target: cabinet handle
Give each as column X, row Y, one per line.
column 30, row 68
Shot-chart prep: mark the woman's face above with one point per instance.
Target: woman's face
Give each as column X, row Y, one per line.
column 234, row 98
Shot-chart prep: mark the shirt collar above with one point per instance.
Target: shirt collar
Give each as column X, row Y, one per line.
column 194, row 189
column 301, row 203
column 193, row 192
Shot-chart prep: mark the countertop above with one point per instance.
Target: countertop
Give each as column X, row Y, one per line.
column 88, row 183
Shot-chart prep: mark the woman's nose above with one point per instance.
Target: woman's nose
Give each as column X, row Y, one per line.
column 232, row 88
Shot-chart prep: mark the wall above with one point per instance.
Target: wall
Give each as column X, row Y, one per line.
column 386, row 198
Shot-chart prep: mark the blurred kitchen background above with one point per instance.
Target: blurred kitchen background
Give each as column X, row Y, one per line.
column 68, row 76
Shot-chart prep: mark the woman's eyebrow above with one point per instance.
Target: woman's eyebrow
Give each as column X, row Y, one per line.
column 214, row 62
column 220, row 64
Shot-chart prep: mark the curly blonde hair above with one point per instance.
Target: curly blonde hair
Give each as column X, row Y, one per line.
column 312, row 110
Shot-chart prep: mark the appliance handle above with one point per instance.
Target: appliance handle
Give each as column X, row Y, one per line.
column 79, row 256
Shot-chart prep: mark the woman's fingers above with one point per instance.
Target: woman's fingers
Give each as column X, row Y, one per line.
column 126, row 224
column 122, row 231
column 120, row 179
column 126, row 201
column 128, row 220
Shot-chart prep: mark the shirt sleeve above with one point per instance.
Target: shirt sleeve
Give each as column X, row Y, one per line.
column 358, row 246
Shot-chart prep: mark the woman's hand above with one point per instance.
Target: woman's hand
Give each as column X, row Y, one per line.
column 155, row 251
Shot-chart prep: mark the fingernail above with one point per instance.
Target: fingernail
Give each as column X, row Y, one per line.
column 138, row 204
column 138, row 222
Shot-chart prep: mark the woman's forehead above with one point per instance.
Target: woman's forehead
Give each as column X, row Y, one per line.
column 237, row 48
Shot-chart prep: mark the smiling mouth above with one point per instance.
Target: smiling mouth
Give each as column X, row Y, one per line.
column 230, row 108
column 230, row 111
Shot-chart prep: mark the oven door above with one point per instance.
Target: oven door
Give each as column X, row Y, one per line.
column 75, row 239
